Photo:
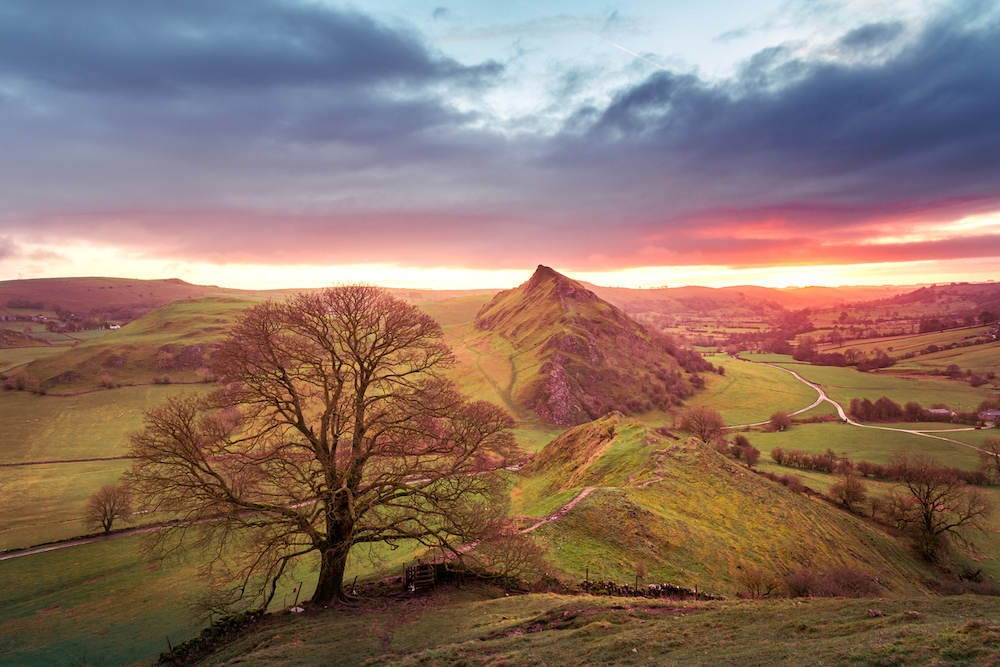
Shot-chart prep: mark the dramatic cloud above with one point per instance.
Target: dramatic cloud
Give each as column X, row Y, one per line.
column 267, row 131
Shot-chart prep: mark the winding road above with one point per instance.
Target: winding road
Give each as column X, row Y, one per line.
column 843, row 415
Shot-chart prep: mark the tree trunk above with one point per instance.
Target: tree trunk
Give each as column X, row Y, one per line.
column 330, row 585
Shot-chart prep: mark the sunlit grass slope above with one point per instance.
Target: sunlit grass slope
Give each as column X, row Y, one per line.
column 685, row 514
column 174, row 340
column 473, row 627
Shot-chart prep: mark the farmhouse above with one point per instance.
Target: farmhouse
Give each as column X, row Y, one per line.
column 990, row 415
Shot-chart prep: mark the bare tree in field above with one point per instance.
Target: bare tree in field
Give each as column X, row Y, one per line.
column 109, row 504
column 333, row 428
column 704, row 423
column 989, row 458
column 934, row 505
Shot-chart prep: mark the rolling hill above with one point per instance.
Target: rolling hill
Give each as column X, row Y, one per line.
column 683, row 513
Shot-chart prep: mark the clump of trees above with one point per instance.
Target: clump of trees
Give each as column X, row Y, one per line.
column 333, row 428
column 887, row 410
column 110, row 504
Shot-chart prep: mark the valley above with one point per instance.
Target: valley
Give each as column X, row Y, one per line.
column 597, row 383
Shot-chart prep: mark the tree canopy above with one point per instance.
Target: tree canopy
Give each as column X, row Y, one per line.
column 332, row 427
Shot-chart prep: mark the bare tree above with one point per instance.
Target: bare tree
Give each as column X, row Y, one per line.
column 109, row 504
column 848, row 490
column 333, row 428
column 934, row 505
column 704, row 423
column 989, row 457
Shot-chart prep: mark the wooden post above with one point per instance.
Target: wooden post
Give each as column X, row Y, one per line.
column 586, row 581
column 169, row 647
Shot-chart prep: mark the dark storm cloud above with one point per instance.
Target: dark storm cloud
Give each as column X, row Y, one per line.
column 120, row 104
column 166, row 46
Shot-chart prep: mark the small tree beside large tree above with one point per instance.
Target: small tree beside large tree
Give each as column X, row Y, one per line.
column 109, row 504
column 333, row 428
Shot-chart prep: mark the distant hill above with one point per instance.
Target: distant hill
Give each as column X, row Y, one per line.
column 593, row 357
column 970, row 297
column 173, row 343
column 738, row 300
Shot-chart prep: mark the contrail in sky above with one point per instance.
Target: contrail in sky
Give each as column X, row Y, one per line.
column 631, row 53
column 617, row 46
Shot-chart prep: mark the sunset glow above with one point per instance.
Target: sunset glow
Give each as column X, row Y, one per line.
column 289, row 143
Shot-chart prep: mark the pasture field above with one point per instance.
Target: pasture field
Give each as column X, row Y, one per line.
column 46, row 502
column 978, row 358
column 47, row 428
column 103, row 600
column 913, row 343
column 843, row 384
column 11, row 357
column 457, row 310
column 750, row 393
column 864, row 444
column 110, row 601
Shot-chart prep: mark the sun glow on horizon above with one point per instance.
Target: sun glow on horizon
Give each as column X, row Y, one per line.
column 92, row 260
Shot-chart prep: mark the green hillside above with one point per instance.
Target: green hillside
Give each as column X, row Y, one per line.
column 174, row 341
column 685, row 514
column 482, row 627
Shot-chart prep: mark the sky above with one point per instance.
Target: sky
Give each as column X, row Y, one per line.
column 298, row 143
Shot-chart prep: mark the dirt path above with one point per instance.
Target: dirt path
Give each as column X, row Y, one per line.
column 843, row 415
column 562, row 511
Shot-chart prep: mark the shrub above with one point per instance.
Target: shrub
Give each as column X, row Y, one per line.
column 839, row 582
column 779, row 421
column 848, row 491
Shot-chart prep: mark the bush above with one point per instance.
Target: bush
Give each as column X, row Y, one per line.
column 839, row 582
column 779, row 421
column 848, row 491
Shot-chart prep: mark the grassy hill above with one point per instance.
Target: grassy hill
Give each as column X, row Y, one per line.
column 588, row 356
column 175, row 340
column 685, row 514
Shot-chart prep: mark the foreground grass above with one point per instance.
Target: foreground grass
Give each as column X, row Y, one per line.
column 475, row 627
column 102, row 600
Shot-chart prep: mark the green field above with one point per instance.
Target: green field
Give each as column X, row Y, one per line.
column 863, row 444
column 46, row 502
column 103, row 600
column 11, row 357
column 843, row 384
column 750, row 393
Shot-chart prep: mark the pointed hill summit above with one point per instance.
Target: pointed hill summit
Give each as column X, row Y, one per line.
column 593, row 358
